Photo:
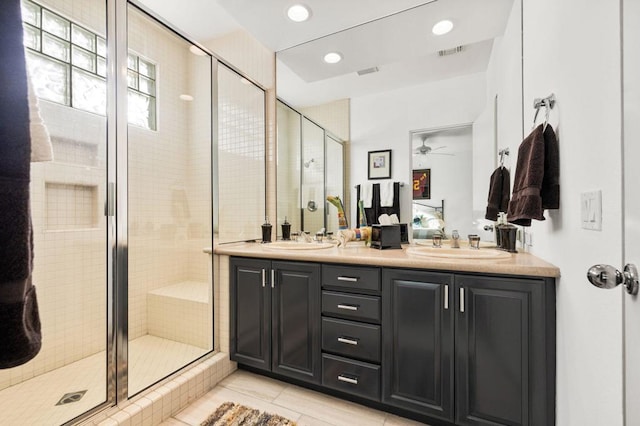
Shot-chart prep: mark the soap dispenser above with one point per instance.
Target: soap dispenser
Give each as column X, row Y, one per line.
column 286, row 230
column 266, row 231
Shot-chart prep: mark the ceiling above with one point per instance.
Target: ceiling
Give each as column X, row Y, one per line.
column 394, row 36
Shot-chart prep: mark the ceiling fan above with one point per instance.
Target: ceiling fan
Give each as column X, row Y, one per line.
column 424, row 149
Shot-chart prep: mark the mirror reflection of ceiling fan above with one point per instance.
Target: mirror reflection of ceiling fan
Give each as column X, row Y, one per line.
column 425, row 149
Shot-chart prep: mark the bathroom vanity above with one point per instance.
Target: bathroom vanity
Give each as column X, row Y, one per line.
column 448, row 341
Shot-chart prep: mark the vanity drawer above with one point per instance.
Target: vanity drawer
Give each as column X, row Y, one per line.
column 352, row 339
column 354, row 377
column 351, row 278
column 351, row 306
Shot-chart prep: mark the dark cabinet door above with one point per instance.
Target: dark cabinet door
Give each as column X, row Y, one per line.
column 250, row 299
column 505, row 349
column 296, row 320
column 417, row 359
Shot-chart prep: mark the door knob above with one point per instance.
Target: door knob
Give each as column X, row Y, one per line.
column 606, row 276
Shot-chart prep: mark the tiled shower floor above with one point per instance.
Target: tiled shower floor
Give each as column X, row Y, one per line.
column 34, row 402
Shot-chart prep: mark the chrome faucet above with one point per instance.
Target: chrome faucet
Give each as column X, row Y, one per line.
column 306, row 236
column 455, row 239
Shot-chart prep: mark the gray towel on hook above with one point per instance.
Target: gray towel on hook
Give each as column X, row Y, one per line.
column 20, row 338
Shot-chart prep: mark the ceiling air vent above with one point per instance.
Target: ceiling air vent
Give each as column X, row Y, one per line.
column 368, row 70
column 451, row 51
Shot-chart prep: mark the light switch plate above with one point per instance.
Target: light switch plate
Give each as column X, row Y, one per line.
column 591, row 210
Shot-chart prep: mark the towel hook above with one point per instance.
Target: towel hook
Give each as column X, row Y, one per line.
column 548, row 103
column 502, row 153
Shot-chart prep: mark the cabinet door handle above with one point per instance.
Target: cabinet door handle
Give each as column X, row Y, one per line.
column 462, row 299
column 350, row 279
column 348, row 379
column 273, row 278
column 348, row 307
column 348, row 341
column 446, row 296
column 264, row 278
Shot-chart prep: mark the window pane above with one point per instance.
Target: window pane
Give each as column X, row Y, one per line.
column 102, row 67
column 83, row 38
column 102, row 47
column 141, row 110
column 132, row 79
column 31, row 37
column 50, row 78
column 147, row 86
column 147, row 68
column 132, row 62
column 55, row 47
column 55, row 24
column 31, row 13
column 89, row 92
column 83, row 59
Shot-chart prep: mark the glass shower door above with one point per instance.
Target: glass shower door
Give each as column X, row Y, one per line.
column 66, row 55
column 170, row 301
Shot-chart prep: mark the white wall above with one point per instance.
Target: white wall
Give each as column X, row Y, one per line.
column 572, row 48
column 384, row 120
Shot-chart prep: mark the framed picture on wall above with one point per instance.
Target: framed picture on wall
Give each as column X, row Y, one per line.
column 422, row 184
column 379, row 164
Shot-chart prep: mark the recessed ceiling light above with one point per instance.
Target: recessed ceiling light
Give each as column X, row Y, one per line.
column 196, row 50
column 298, row 13
column 187, row 98
column 442, row 27
column 332, row 57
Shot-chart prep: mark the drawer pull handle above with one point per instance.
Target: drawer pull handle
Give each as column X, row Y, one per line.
column 348, row 341
column 348, row 307
column 264, row 280
column 348, row 379
column 350, row 279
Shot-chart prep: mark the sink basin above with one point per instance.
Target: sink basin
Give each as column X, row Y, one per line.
column 292, row 245
column 461, row 253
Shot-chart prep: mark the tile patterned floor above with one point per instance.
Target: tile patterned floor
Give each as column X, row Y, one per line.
column 33, row 402
column 306, row 407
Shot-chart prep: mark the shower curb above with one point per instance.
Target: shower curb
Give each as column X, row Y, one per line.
column 158, row 404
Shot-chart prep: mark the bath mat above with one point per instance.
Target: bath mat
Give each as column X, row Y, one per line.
column 235, row 414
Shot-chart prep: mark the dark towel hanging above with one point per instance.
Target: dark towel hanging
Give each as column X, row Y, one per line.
column 376, row 210
column 20, row 338
column 499, row 193
column 536, row 186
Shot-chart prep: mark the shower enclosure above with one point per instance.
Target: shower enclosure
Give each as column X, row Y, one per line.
column 122, row 214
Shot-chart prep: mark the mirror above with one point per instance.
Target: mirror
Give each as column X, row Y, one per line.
column 405, row 87
column 441, row 166
column 304, row 176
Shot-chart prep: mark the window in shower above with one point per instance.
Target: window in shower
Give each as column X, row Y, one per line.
column 68, row 65
column 170, row 301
